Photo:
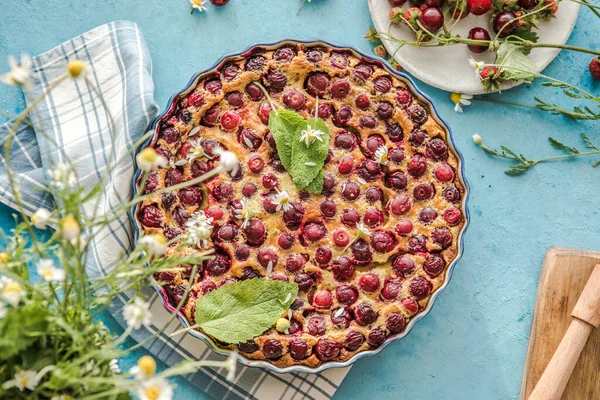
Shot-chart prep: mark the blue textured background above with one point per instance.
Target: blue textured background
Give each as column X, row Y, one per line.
column 473, row 343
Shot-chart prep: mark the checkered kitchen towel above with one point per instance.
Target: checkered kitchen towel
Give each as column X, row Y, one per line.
column 119, row 66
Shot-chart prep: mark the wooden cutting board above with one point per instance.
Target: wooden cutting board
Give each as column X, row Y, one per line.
column 563, row 276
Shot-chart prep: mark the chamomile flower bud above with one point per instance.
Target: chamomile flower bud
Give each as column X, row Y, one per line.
column 282, row 325
column 40, row 218
column 4, row 258
column 477, row 139
column 147, row 366
column 148, row 160
column 69, row 228
column 75, row 67
column 156, row 244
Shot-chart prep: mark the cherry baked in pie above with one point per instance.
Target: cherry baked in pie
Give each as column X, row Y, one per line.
column 367, row 252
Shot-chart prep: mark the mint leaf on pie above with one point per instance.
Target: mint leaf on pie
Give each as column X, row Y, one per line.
column 283, row 124
column 514, row 64
column 238, row 312
column 308, row 161
column 316, row 186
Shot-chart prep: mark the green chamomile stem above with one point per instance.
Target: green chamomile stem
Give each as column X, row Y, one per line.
column 301, row 5
column 510, row 103
column 593, row 8
column 184, row 330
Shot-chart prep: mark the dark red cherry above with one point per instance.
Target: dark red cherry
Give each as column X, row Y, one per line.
column 528, row 4
column 249, row 138
column 396, row 180
column 173, row 177
column 242, row 252
column 328, row 184
column 200, row 167
column 292, row 217
column 322, row 299
column 442, row 237
column 264, row 112
column 350, row 190
column 151, row 182
column 180, row 215
column 417, row 165
column 339, row 60
column 230, row 120
column 369, row 282
column 314, row 55
column 197, row 99
column 420, row 287
column 395, row 322
column 294, row 262
column 316, row 324
column 214, row 212
column 272, row 349
column 328, row 209
column 373, row 217
column 404, row 266
column 284, row 55
column 275, row 80
column 505, row 23
column 317, row 84
column 213, row 85
column 361, row 250
column 396, row 155
column 295, row 325
column 298, row 348
column 376, row 337
column 423, row 191
column 382, row 84
column 266, row 256
column 345, row 140
column 314, row 231
column 219, row 265
column 362, row 101
column 151, row 216
column 369, row 170
column 342, row 116
column 256, row 232
column 250, row 273
column 248, row 347
column 341, row 238
column 394, row 132
column 235, row 99
column 256, row 163
column 286, row 240
column 323, row 255
column 294, row 99
column 404, row 97
column 382, row 241
column 341, row 317
column 255, row 63
column 342, row 268
column 168, row 200
column 411, row 306
column 451, row 194
column 391, row 289
column 304, row 281
column 432, row 19
column 223, row 192
column 437, row 149
column 353, row 341
column 340, row 89
column 427, row 215
column 373, row 143
column 211, row 116
column 478, row 33
column 190, row 196
column 350, row 217
column 270, row 181
column 452, row 216
column 326, row 349
column 385, row 110
column 418, row 115
column 417, row 244
column 434, row 265
column 367, row 121
column 325, row 111
column 249, row 189
column 207, row 286
column 444, row 173
column 227, row 232
column 479, row 7
column 346, row 165
column 346, row 295
column 254, row 92
column 365, row 315
column 363, row 72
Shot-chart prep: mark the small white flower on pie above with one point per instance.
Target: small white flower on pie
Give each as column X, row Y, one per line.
column 196, row 151
column 362, row 230
column 478, row 65
column 478, row 140
column 11, row 291
column 137, row 313
column 229, row 161
column 20, row 73
column 148, row 160
column 198, row 5
column 282, row 200
column 24, row 379
column 381, row 155
column 460, row 99
column 155, row 388
column 156, row 244
column 309, row 135
column 49, row 272
column 199, row 228
column 40, row 218
column 63, row 176
column 246, row 212
column 231, row 366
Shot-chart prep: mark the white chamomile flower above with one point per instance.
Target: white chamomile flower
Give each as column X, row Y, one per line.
column 155, row 388
column 24, row 379
column 478, row 65
column 198, row 5
column 381, row 155
column 20, row 73
column 156, row 243
column 137, row 313
column 40, row 218
column 49, row 272
column 282, row 200
column 199, row 228
column 362, row 230
column 309, row 135
column 477, row 139
column 11, row 291
column 196, row 151
column 114, row 366
column 245, row 213
column 231, row 365
column 229, row 161
column 460, row 99
column 3, row 310
column 63, row 176
column 148, row 160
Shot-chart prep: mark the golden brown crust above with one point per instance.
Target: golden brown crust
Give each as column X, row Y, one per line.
column 185, row 124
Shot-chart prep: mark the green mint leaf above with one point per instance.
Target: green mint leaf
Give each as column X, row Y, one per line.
column 283, row 125
column 308, row 161
column 316, row 186
column 515, row 65
column 238, row 312
column 561, row 146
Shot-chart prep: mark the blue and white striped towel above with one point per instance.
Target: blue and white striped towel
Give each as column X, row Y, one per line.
column 72, row 116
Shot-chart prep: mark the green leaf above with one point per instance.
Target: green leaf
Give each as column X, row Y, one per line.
column 527, row 34
column 20, row 328
column 316, row 186
column 238, row 312
column 514, row 64
column 561, row 146
column 283, row 125
column 315, row 153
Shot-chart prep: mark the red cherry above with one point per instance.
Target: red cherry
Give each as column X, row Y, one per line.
column 362, row 101
column 595, row 68
column 219, row 3
column 230, row 120
column 432, row 19
column 322, row 299
column 214, row 212
column 411, row 306
column 479, row 7
column 346, row 165
column 341, row 238
column 404, row 227
column 478, row 33
column 452, row 216
column 264, row 112
column 506, row 22
column 369, row 282
column 444, row 173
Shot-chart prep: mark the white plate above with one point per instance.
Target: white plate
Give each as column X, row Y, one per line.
column 448, row 68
